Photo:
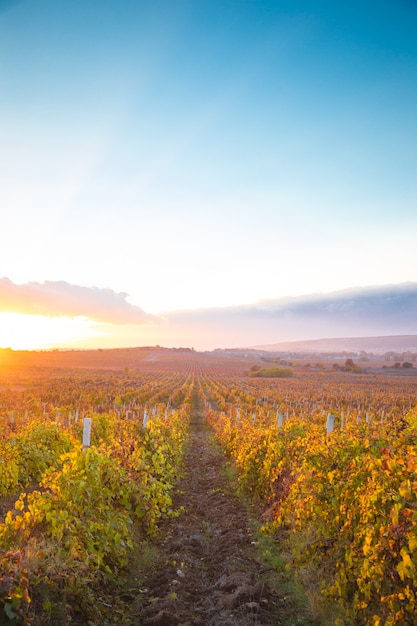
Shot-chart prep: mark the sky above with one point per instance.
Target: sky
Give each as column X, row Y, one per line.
column 167, row 165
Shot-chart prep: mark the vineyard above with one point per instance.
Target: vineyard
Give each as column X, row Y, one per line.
column 327, row 459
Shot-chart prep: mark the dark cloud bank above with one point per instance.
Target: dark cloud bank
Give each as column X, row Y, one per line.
column 386, row 310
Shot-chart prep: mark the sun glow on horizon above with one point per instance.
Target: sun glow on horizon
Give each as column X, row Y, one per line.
column 21, row 331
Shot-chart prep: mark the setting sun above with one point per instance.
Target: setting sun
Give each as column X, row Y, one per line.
column 37, row 332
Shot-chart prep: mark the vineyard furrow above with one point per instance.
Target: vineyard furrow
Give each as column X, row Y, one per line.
column 210, row 572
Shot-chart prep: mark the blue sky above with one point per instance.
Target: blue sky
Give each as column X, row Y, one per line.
column 208, row 154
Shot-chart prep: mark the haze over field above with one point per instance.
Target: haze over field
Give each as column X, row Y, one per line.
column 210, row 173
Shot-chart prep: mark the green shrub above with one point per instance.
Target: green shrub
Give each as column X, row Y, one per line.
column 271, row 372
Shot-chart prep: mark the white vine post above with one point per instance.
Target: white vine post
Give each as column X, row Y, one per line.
column 330, row 423
column 86, row 433
column 145, row 418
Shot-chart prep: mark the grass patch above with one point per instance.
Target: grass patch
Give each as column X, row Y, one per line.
column 308, row 606
column 294, row 605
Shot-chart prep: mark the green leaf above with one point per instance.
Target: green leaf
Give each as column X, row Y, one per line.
column 8, row 609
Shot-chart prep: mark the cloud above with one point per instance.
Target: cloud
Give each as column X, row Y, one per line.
column 365, row 311
column 360, row 312
column 388, row 302
column 61, row 299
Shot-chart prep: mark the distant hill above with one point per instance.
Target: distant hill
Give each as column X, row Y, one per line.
column 375, row 345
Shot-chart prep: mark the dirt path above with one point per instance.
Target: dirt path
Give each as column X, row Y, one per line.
column 211, row 574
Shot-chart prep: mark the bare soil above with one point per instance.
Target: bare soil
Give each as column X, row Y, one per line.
column 209, row 570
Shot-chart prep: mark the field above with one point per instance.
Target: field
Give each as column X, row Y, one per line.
column 206, row 495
